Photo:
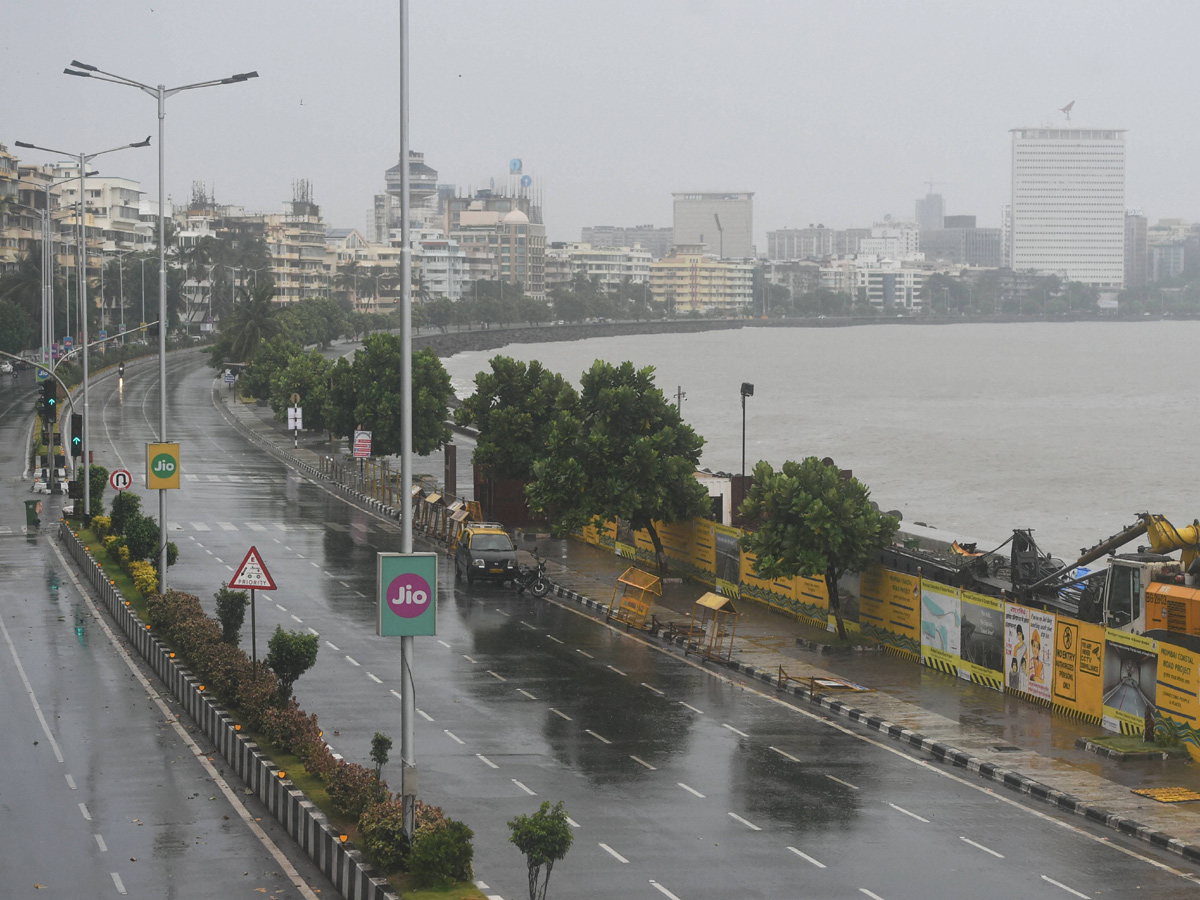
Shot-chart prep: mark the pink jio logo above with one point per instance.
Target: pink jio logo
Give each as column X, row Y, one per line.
column 408, row 595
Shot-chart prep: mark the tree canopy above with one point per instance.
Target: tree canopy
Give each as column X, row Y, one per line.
column 544, row 838
column 621, row 451
column 514, row 406
column 806, row 519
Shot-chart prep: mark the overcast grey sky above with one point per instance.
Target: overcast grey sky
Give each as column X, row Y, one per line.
column 831, row 112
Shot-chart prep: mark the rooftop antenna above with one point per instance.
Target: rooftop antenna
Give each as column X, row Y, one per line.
column 931, row 183
column 1066, row 110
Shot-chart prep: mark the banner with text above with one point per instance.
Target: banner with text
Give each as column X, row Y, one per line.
column 1130, row 681
column 1078, row 668
column 941, row 626
column 981, row 641
column 1178, row 689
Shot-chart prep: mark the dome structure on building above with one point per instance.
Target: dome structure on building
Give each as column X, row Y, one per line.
column 515, row 217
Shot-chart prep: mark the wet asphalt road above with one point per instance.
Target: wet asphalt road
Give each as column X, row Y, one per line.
column 100, row 795
column 682, row 782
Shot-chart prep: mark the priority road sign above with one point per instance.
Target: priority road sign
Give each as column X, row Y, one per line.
column 120, row 479
column 362, row 444
column 252, row 574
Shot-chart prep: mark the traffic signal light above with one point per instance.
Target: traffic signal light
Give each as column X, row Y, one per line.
column 76, row 434
column 49, row 400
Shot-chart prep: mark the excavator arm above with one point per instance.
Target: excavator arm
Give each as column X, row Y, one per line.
column 1165, row 537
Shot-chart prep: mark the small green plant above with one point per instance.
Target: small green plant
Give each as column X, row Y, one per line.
column 442, row 857
column 544, row 838
column 231, row 612
column 381, row 745
column 290, row 654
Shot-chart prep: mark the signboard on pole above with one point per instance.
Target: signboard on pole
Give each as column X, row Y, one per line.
column 362, row 444
column 162, row 466
column 103, row 334
column 295, row 418
column 120, row 480
column 230, row 378
column 406, row 588
column 252, row 574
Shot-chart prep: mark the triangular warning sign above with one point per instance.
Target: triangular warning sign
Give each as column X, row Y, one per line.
column 252, row 574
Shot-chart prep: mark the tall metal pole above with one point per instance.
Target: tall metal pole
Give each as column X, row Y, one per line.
column 162, row 335
column 407, row 689
column 83, row 337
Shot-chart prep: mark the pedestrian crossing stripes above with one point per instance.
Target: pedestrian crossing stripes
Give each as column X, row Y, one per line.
column 284, row 527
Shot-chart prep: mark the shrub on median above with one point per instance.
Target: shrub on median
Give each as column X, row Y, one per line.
column 352, row 789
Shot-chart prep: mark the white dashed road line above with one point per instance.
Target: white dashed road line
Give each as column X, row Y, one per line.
column 1059, row 884
column 602, row 740
column 298, row 619
column 907, row 813
column 734, row 730
column 662, row 890
column 424, row 715
column 469, row 659
column 553, row 638
column 454, row 737
column 805, row 856
column 497, row 677
column 100, row 843
column 374, row 679
column 967, row 840
column 524, row 788
column 690, row 790
column 561, row 714
column 642, row 762
column 486, row 761
column 784, row 754
column 118, row 883
column 86, row 815
column 615, row 669
column 71, row 782
column 871, row 894
column 585, row 653
column 745, row 822
column 353, row 661
column 333, row 647
column 526, row 693
column 443, row 643
column 852, row 787
column 692, row 708
column 651, row 687
column 613, row 853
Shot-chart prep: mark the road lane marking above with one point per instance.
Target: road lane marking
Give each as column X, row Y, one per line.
column 100, row 843
column 333, row 647
column 981, row 847
column 118, row 883
column 374, row 679
column 360, row 593
column 613, row 853
column 503, row 613
column 396, row 694
column 784, row 754
column 227, row 526
column 313, row 564
column 443, row 643
column 200, row 526
column 454, row 737
column 1064, row 887
column 561, row 714
column 572, row 822
column 87, row 816
column 642, row 762
column 218, row 559
column 281, row 608
column 255, row 526
column 852, row 787
column 615, row 669
column 487, row 761
column 662, row 890
column 297, row 618
column 301, row 556
column 526, row 693
column 497, row 677
column 651, row 687
column 553, row 638
column 734, row 730
column 191, row 476
column 690, row 790
column 229, row 567
column 353, row 661
column 907, row 813
column 805, row 856
column 871, row 894
column 603, row 740
column 530, row 627
column 314, row 631
column 424, row 715
column 692, row 708
column 469, row 659
column 745, row 822
column 585, row 653
column 524, row 788
column 71, row 782
column 343, row 584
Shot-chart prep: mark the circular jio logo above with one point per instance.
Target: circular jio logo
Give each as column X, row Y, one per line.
column 408, row 595
column 163, row 465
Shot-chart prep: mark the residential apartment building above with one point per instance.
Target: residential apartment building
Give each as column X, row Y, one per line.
column 609, row 267
column 441, row 265
column 723, row 223
column 424, row 200
column 799, row 276
column 1068, row 203
column 884, row 283
column 898, row 240
column 814, row 242
column 657, row 240
column 506, row 246
column 688, row 280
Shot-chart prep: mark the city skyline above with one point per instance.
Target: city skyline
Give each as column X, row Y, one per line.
column 616, row 130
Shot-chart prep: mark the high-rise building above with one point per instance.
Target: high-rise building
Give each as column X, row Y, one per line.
column 931, row 210
column 814, row 242
column 424, row 201
column 1135, row 249
column 1068, row 203
column 722, row 223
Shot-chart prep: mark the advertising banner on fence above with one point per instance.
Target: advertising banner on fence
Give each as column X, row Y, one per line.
column 1041, row 652
column 728, row 559
column 703, row 564
column 981, row 641
column 1178, row 689
column 1016, row 648
column 625, row 541
column 777, row 594
column 890, row 609
column 941, row 626
column 1130, row 681
column 1078, row 665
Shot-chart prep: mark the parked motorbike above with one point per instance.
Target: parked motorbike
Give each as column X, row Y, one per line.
column 532, row 578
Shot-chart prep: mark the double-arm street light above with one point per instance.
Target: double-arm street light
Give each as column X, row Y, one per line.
column 160, row 93
column 84, row 159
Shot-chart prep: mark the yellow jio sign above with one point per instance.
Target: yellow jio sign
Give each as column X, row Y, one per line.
column 162, row 466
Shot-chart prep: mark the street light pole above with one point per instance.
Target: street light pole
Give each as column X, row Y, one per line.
column 747, row 391
column 160, row 93
column 81, row 292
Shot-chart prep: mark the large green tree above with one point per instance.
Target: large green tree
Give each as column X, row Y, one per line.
column 513, row 407
column 252, row 323
column 306, row 374
column 313, row 320
column 273, row 356
column 806, row 519
column 622, row 451
column 17, row 330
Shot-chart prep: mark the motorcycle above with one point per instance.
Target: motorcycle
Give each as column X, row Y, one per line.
column 532, row 578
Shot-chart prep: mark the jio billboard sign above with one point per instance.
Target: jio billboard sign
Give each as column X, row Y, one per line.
column 406, row 585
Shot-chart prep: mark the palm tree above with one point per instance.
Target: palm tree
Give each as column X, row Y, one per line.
column 253, row 322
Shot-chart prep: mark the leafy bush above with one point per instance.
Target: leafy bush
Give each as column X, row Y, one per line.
column 111, row 543
column 290, row 655
column 102, row 525
column 231, row 613
column 352, row 788
column 172, row 553
column 145, row 577
column 141, row 536
column 124, row 505
column 441, row 857
column 382, row 828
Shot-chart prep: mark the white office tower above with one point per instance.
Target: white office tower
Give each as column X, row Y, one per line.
column 1068, row 203
column 723, row 223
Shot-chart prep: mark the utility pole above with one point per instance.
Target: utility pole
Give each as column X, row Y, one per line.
column 680, row 396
